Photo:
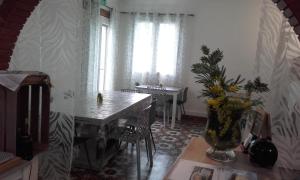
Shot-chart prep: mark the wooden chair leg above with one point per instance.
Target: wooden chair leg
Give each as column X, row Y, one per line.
column 183, row 109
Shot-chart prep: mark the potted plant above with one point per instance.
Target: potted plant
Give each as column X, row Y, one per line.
column 227, row 99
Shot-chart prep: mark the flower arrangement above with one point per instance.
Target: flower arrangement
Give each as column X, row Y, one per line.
column 220, row 90
column 227, row 99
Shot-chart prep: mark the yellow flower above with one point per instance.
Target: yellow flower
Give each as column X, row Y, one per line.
column 233, row 88
column 216, row 89
column 247, row 104
column 213, row 102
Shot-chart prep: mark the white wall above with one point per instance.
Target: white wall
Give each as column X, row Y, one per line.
column 1, row 1
column 113, row 3
column 230, row 25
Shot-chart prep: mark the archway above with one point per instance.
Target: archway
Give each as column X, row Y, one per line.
column 291, row 10
column 13, row 15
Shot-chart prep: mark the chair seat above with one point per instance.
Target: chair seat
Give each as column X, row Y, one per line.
column 131, row 136
column 126, row 134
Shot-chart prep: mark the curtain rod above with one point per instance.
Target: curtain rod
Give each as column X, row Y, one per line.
column 123, row 12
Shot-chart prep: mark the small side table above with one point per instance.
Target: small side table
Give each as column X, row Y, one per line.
column 196, row 151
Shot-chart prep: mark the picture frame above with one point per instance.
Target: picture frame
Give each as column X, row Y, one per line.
column 263, row 124
column 257, row 124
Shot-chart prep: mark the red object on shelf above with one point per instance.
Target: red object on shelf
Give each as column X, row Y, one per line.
column 291, row 9
column 13, row 16
column 18, row 120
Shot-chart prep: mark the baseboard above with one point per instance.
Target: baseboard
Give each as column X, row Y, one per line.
column 196, row 113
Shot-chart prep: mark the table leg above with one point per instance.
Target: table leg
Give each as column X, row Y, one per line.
column 179, row 114
column 174, row 110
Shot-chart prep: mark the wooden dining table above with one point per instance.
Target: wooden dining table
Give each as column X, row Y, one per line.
column 103, row 116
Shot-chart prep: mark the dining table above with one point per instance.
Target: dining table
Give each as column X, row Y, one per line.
column 103, row 114
column 166, row 91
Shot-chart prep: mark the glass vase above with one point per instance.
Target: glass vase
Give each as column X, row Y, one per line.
column 223, row 134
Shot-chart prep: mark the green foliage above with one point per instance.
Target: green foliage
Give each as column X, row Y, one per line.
column 205, row 50
column 256, row 86
column 218, row 87
column 209, row 72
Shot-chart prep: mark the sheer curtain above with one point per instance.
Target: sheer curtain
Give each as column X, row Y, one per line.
column 91, row 40
column 151, row 49
column 112, row 48
column 278, row 63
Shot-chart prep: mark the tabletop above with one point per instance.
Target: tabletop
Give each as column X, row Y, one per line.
column 196, row 151
column 158, row 88
column 114, row 104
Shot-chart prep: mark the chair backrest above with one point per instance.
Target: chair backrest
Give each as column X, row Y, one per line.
column 152, row 112
column 130, row 90
column 184, row 97
column 147, row 117
column 142, row 123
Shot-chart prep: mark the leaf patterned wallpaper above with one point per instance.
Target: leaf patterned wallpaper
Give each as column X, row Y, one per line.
column 278, row 63
column 51, row 42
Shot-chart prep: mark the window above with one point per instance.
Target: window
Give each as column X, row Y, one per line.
column 167, row 49
column 142, row 51
column 103, row 52
column 155, row 48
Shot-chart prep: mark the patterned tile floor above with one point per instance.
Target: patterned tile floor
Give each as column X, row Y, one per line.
column 169, row 144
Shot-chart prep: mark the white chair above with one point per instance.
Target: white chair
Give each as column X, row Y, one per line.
column 135, row 134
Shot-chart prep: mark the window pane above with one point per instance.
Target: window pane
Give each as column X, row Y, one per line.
column 167, row 47
column 102, row 58
column 143, row 47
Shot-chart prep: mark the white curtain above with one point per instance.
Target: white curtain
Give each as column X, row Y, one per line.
column 151, row 49
column 278, row 63
column 92, row 39
column 112, row 48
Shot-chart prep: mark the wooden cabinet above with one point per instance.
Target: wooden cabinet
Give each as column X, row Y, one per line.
column 24, row 113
